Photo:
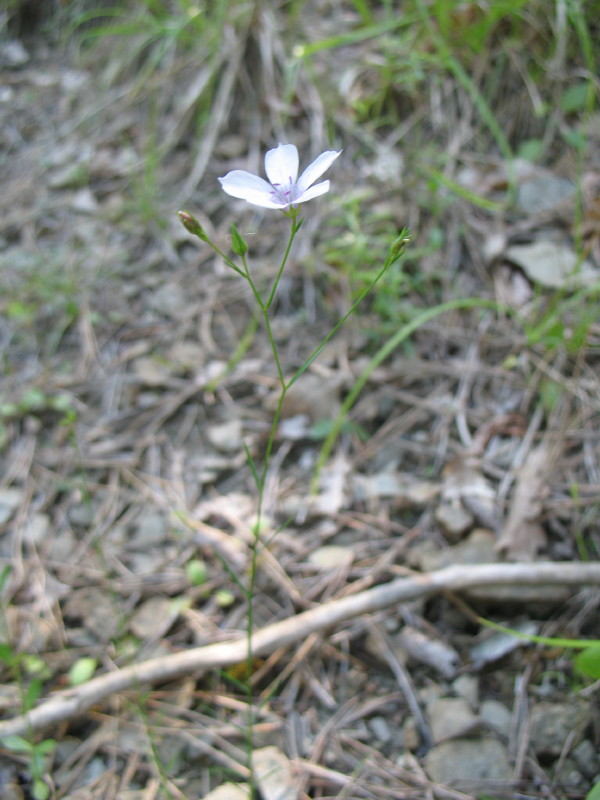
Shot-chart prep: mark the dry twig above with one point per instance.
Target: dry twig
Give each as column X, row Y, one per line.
column 70, row 703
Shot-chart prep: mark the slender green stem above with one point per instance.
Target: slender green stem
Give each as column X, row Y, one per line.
column 551, row 641
column 274, row 348
column 315, row 353
column 226, row 259
column 261, row 478
column 265, row 315
column 294, row 230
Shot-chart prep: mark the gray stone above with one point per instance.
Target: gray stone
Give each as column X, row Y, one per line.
column 152, row 371
column 552, row 264
column 274, row 774
column 380, row 729
column 188, row 354
column 62, row 547
column 478, row 548
column 170, row 300
column 84, row 201
column 146, row 563
column 13, row 54
column 228, row 791
column 97, row 610
column 543, row 192
column 10, row 499
column 454, row 520
column 468, row 760
column 497, row 716
column 151, row 527
column 451, row 717
column 467, row 687
column 331, row 556
column 437, row 653
column 81, row 514
column 151, row 617
column 36, row 528
column 494, row 645
column 227, row 436
column 586, row 757
column 410, row 735
column 552, row 723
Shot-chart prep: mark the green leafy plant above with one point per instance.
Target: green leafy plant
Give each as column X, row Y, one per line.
column 563, row 320
column 29, row 673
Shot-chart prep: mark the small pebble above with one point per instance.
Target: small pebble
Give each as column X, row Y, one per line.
column 380, row 729
column 497, row 716
column 468, row 760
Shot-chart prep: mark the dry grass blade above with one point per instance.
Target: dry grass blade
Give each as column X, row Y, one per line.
column 219, row 113
column 73, row 702
column 522, row 535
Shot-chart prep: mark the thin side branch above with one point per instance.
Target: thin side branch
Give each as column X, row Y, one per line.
column 70, row 703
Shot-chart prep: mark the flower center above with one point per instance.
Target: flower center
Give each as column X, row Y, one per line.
column 285, row 193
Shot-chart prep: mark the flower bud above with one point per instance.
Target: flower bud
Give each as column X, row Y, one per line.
column 238, row 245
column 398, row 247
column 192, row 225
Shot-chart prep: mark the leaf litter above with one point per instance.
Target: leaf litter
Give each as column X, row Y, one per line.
column 143, row 470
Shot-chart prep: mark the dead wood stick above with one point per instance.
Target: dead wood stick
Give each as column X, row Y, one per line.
column 69, row 703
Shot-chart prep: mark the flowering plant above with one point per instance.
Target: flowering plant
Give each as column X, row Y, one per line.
column 283, row 191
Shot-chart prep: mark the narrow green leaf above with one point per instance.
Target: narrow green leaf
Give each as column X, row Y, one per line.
column 17, row 744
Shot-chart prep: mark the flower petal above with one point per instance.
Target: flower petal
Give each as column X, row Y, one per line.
column 314, row 191
column 281, row 164
column 249, row 187
column 317, row 168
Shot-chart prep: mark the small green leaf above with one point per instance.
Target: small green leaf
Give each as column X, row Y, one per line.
column 32, row 694
column 19, row 311
column 224, row 598
column 179, row 604
column 574, row 139
column 550, row 394
column 16, row 743
column 9, row 410
column 320, row 429
column 531, row 150
column 34, row 665
column 33, row 400
column 61, row 402
column 594, row 793
column 196, row 572
column 575, row 98
column 82, row 670
column 7, row 654
column 588, row 661
column 40, row 790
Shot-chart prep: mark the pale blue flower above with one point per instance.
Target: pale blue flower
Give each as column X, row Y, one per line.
column 284, row 190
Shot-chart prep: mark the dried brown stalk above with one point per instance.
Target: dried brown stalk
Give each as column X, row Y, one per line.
column 70, row 703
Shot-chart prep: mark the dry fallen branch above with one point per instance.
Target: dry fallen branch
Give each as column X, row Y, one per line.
column 70, row 703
